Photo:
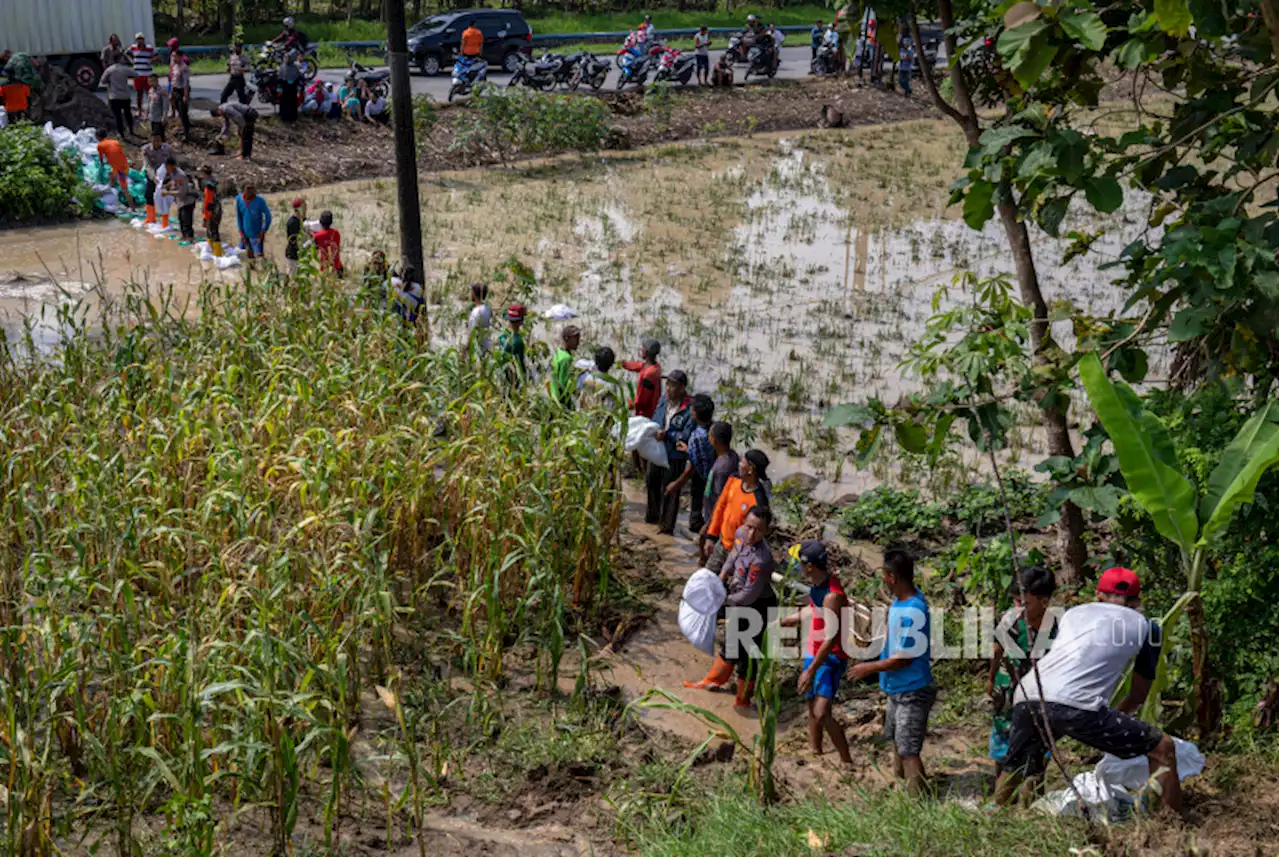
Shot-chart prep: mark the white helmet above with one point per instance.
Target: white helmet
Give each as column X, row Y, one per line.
column 753, row 18
column 288, row 23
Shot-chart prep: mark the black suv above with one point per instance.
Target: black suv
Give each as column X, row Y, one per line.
column 435, row 41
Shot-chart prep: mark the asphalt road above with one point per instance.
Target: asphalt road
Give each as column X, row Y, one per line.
column 206, row 88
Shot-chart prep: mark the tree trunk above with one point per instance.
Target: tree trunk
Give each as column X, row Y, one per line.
column 1207, row 695
column 179, row 20
column 406, row 151
column 306, row 7
column 1070, row 537
column 227, row 18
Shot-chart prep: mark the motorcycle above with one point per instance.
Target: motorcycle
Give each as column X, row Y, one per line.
column 589, row 70
column 467, row 73
column 675, row 67
column 629, row 49
column 634, row 70
column 760, row 64
column 825, row 61
column 736, row 52
column 541, row 75
column 272, row 56
column 266, row 81
column 376, row 82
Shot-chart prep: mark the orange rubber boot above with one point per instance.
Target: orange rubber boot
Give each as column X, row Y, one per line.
column 164, row 221
column 718, row 677
column 151, row 214
column 746, row 690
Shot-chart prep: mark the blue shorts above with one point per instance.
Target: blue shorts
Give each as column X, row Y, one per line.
column 826, row 678
column 254, row 244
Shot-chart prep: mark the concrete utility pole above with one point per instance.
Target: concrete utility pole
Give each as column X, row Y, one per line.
column 406, row 151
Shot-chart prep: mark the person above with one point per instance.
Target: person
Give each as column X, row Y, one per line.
column 154, row 156
column 163, row 199
column 1071, row 686
column 1027, row 629
column 750, row 488
column 293, row 235
column 111, row 153
column 860, row 56
column 702, row 54
column 113, row 52
column 675, row 419
column 648, row 31
column 375, row 109
column 116, row 80
column 511, row 344
column 348, row 97
column 407, row 294
column 906, row 64
column 723, row 73
column 143, row 56
column 290, row 79
column 747, row 574
column 157, row 107
column 237, row 67
column 723, row 468
column 21, row 68
column 472, row 42
column 253, row 219
column 329, row 245
column 825, row 660
column 244, row 118
column 375, row 278
column 699, row 457
column 313, row 101
column 211, row 210
column 333, row 107
column 598, row 388
column 649, row 385
column 180, row 87
column 290, row 37
column 481, row 318
column 17, row 98
column 906, row 675
column 815, row 38
column 185, row 195
column 561, row 381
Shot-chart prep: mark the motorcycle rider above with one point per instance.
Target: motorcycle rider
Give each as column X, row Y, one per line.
column 757, row 35
column 291, row 37
column 472, row 44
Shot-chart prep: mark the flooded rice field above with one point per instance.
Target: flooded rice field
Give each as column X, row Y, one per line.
column 782, row 272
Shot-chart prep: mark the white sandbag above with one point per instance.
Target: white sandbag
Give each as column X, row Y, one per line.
column 642, row 439
column 584, row 364
column 698, row 629
column 1113, row 803
column 4, row 117
column 559, row 312
column 1132, row 774
column 703, row 596
column 224, row 262
column 138, row 224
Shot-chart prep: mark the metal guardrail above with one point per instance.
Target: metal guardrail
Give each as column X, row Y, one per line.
column 546, row 39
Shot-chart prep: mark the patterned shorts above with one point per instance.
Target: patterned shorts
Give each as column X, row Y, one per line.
column 907, row 717
column 1110, row 731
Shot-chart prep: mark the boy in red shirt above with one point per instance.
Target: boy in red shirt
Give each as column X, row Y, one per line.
column 111, row 153
column 649, row 386
column 328, row 245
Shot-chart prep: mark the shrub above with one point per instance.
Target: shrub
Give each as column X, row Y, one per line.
column 981, row 511
column 37, row 183
column 887, row 514
column 522, row 121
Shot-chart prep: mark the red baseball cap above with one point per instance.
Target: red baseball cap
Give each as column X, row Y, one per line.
column 1120, row 581
column 515, row 312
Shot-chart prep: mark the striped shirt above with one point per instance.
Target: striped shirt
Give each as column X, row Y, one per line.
column 142, row 58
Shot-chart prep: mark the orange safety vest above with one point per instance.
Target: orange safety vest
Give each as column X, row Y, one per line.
column 472, row 41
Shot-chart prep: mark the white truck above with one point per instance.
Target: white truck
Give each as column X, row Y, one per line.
column 70, row 34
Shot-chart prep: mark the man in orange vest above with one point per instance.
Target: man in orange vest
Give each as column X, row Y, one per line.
column 472, row 42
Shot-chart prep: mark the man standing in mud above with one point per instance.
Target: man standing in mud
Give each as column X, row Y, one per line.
column 649, row 385
column 1072, row 684
column 253, row 219
column 699, row 459
column 675, row 419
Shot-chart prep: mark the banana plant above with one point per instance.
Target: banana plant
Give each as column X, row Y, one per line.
column 1187, row 517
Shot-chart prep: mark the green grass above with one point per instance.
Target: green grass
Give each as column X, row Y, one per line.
column 728, row 820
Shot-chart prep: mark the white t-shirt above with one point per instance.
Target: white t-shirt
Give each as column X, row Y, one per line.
column 1095, row 643
column 701, row 43
column 376, row 106
column 482, row 317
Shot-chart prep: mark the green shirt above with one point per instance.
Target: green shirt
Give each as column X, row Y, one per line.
column 511, row 345
column 1026, row 640
column 562, row 377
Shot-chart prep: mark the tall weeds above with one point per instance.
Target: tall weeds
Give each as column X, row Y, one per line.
column 221, row 533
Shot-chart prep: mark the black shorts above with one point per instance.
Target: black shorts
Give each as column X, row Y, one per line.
column 703, row 62
column 1106, row 729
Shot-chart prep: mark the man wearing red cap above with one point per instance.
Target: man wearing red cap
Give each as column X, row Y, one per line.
column 1074, row 683
column 511, row 344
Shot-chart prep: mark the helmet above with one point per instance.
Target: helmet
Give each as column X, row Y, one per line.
column 288, row 23
column 753, row 18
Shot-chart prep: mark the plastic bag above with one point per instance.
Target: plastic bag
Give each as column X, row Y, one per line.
column 1132, row 774
column 703, row 596
column 559, row 312
column 1114, row 803
column 224, row 262
column 642, row 439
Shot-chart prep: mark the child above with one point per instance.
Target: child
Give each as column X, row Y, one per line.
column 374, row 279
column 725, row 466
column 824, row 659
column 349, row 99
column 408, row 296
column 1025, row 624
column 293, row 235
column 329, row 245
column 185, row 194
column 157, row 107
column 905, row 67
column 212, row 208
column 596, row 387
column 511, row 343
column 906, row 675
column 111, row 153
column 481, row 318
column 561, row 380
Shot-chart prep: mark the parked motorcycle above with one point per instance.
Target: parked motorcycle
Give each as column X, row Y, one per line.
column 266, row 81
column 825, row 62
column 634, row 70
column 375, row 81
column 589, row 70
column 737, row 51
column 628, row 49
column 759, row 63
column 467, row 73
column 272, row 56
column 675, row 67
column 541, row 75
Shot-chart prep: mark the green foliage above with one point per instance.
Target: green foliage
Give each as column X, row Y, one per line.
column 979, row 508
column 888, row 515
column 983, row 570
column 509, row 121
column 658, row 103
column 37, row 183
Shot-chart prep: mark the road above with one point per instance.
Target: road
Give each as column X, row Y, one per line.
column 206, row 88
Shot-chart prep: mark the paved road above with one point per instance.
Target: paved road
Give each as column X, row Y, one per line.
column 205, row 88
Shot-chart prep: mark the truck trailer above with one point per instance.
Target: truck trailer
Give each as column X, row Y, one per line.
column 70, row 34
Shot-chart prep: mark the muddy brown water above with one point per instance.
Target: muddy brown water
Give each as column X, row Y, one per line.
column 783, row 272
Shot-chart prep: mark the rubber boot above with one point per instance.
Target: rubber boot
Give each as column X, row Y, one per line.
column 718, row 677
column 151, row 214
column 215, row 247
column 746, row 690
column 164, row 221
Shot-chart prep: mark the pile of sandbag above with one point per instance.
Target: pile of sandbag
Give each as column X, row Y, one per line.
column 1110, row 788
column 83, row 144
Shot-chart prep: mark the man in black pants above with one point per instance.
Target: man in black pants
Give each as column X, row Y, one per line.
column 117, row 80
column 237, row 67
column 675, row 418
column 244, row 118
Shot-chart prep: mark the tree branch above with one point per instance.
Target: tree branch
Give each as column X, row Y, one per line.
column 926, row 71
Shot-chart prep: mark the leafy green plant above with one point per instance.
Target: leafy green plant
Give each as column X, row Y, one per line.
column 983, row 570
column 888, row 515
column 978, row 507
column 510, row 121
column 36, row 182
